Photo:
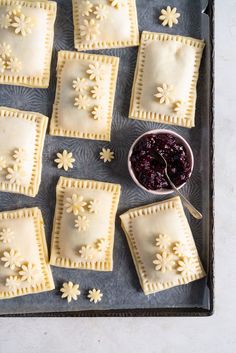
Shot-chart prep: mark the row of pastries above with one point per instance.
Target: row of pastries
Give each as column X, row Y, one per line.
column 164, row 90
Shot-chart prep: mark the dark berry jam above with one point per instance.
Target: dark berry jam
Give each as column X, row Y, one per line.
column 149, row 168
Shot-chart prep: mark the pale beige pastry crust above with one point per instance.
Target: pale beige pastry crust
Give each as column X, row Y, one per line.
column 91, row 246
column 21, row 130
column 119, row 28
column 29, row 240
column 170, row 60
column 69, row 121
column 34, row 50
column 143, row 226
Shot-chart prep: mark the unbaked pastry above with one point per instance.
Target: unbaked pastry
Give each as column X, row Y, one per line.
column 162, row 245
column 86, row 85
column 22, row 137
column 100, row 24
column 24, row 267
column 26, row 40
column 84, row 224
column 166, row 76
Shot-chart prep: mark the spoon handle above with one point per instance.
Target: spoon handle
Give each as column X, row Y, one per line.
column 194, row 212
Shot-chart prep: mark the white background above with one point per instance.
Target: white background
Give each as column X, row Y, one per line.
column 216, row 334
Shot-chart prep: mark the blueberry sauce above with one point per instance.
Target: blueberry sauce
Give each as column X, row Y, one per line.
column 149, row 168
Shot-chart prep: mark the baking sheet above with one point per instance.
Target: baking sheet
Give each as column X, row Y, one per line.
column 121, row 289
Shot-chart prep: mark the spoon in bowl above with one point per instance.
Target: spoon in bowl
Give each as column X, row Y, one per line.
column 194, row 212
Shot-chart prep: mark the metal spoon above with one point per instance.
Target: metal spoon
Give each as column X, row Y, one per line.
column 194, row 212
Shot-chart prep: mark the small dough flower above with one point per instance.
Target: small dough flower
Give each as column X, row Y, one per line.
column 15, row 174
column 14, row 65
column 19, row 155
column 180, row 249
column 163, row 241
column 75, row 204
column 117, row 3
column 164, row 262
column 5, row 50
column 12, row 259
column 22, row 24
column 94, row 206
column 70, row 291
column 14, row 9
column 101, row 12
column 164, row 93
column 97, row 92
column 169, row 16
column 89, row 29
column 5, row 21
column 81, row 102
column 180, row 108
column 95, row 295
column 107, row 155
column 101, row 245
column 80, row 85
column 6, row 235
column 2, row 66
column 86, row 252
column 186, row 267
column 65, row 160
column 3, row 162
column 85, row 8
column 96, row 71
column 29, row 273
column 82, row 223
column 98, row 112
column 12, row 283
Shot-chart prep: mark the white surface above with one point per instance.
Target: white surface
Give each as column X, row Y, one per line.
column 165, row 335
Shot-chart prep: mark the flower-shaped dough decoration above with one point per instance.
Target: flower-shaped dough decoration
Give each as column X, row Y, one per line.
column 95, row 295
column 64, row 160
column 87, row 252
column 12, row 283
column 5, row 21
column 186, row 267
column 107, row 155
column 82, row 223
column 89, row 29
column 81, row 102
column 101, row 12
column 180, row 108
column 117, row 3
column 29, row 273
column 7, row 61
column 11, row 259
column 164, row 262
column 70, row 291
column 85, row 8
column 15, row 174
column 96, row 71
column 164, row 93
column 94, row 206
column 75, row 204
column 22, row 24
column 101, row 245
column 6, row 235
column 80, row 85
column 163, row 241
column 169, row 16
column 98, row 112
column 3, row 163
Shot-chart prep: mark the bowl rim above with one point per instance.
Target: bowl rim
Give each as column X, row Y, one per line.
column 160, row 131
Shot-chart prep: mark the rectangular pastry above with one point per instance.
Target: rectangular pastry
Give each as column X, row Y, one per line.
column 162, row 245
column 164, row 88
column 24, row 266
column 22, row 137
column 100, row 24
column 84, row 224
column 86, row 85
column 26, row 41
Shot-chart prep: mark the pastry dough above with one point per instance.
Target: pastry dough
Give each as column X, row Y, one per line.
column 166, row 76
column 162, row 245
column 100, row 24
column 84, row 224
column 26, row 41
column 22, row 137
column 24, row 267
column 85, row 93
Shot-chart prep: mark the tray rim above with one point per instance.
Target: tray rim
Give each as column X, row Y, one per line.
column 170, row 312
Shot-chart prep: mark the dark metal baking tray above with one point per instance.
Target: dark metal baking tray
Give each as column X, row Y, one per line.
column 122, row 292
